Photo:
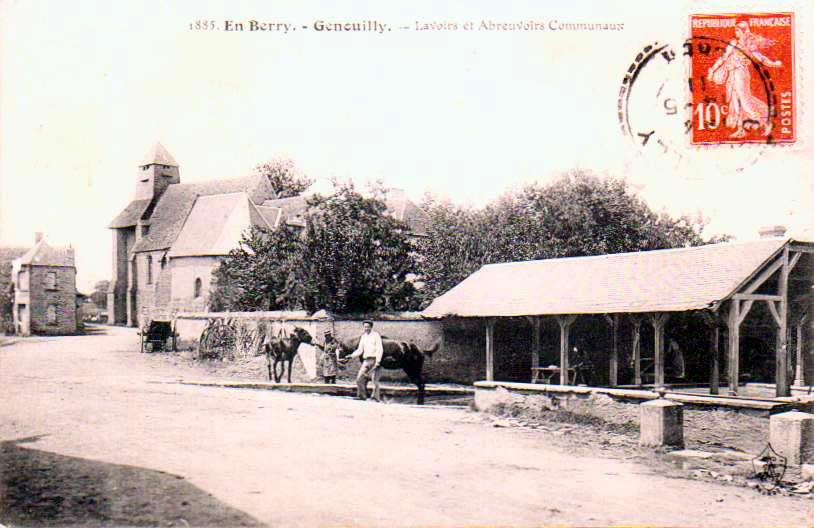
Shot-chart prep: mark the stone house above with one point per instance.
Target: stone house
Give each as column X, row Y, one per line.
column 45, row 290
column 170, row 238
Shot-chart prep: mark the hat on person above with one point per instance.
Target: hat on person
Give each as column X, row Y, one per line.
column 327, row 333
column 367, row 321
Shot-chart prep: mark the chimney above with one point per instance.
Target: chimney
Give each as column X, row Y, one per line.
column 70, row 253
column 776, row 231
column 37, row 237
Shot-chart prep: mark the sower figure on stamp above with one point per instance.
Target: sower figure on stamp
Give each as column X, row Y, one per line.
column 370, row 350
column 329, row 358
column 733, row 70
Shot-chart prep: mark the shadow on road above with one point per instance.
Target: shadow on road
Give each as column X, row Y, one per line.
column 38, row 488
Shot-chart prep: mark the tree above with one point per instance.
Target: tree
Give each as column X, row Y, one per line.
column 355, row 257
column 578, row 214
column 99, row 295
column 453, row 249
column 350, row 257
column 255, row 275
column 284, row 177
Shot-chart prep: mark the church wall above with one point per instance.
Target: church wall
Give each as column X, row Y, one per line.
column 163, row 286
column 185, row 270
column 123, row 241
column 153, row 284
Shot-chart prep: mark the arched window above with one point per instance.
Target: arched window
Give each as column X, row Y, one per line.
column 149, row 269
column 51, row 314
column 197, row 287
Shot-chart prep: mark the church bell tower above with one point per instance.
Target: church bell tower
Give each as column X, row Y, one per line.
column 156, row 172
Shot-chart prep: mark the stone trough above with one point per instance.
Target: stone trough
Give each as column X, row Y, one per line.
column 403, row 394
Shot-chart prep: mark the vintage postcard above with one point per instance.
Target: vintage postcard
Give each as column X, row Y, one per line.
column 543, row 226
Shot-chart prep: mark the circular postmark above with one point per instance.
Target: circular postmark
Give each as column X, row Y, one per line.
column 674, row 103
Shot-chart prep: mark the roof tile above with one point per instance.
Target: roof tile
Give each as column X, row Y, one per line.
column 648, row 281
column 176, row 203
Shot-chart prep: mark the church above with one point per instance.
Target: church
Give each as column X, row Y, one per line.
column 169, row 239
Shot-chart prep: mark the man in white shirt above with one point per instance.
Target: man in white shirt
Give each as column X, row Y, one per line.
column 370, row 350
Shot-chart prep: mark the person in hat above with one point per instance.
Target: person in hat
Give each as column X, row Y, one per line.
column 330, row 357
column 370, row 349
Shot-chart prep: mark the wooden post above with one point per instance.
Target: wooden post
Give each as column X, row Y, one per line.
column 800, row 370
column 637, row 349
column 713, row 323
column 715, row 376
column 733, row 322
column 490, row 350
column 535, row 340
column 659, row 321
column 565, row 322
column 613, row 374
column 782, row 387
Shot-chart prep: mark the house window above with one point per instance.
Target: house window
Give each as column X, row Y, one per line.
column 149, row 269
column 197, row 287
column 51, row 280
column 51, row 314
column 22, row 281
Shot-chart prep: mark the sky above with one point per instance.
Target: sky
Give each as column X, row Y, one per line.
column 87, row 87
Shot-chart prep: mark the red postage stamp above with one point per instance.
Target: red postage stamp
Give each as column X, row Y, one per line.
column 742, row 78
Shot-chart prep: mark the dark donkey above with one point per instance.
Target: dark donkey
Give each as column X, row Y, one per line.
column 282, row 348
column 398, row 355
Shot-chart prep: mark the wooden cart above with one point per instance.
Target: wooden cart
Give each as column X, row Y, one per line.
column 155, row 334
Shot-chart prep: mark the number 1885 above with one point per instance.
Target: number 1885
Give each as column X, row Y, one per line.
column 200, row 25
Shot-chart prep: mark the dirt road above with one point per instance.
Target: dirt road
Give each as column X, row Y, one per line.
column 94, row 433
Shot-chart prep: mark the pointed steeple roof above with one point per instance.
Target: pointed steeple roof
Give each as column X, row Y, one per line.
column 158, row 155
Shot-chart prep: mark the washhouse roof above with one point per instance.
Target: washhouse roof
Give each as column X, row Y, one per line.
column 666, row 280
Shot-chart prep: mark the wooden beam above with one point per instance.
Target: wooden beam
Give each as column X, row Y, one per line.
column 490, row 350
column 801, row 249
column 775, row 313
column 714, row 378
column 535, row 340
column 637, row 349
column 744, row 310
column 800, row 370
column 768, row 272
column 659, row 321
column 793, row 262
column 565, row 322
column 613, row 364
column 756, row 297
column 733, row 322
column 782, row 386
column 713, row 322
